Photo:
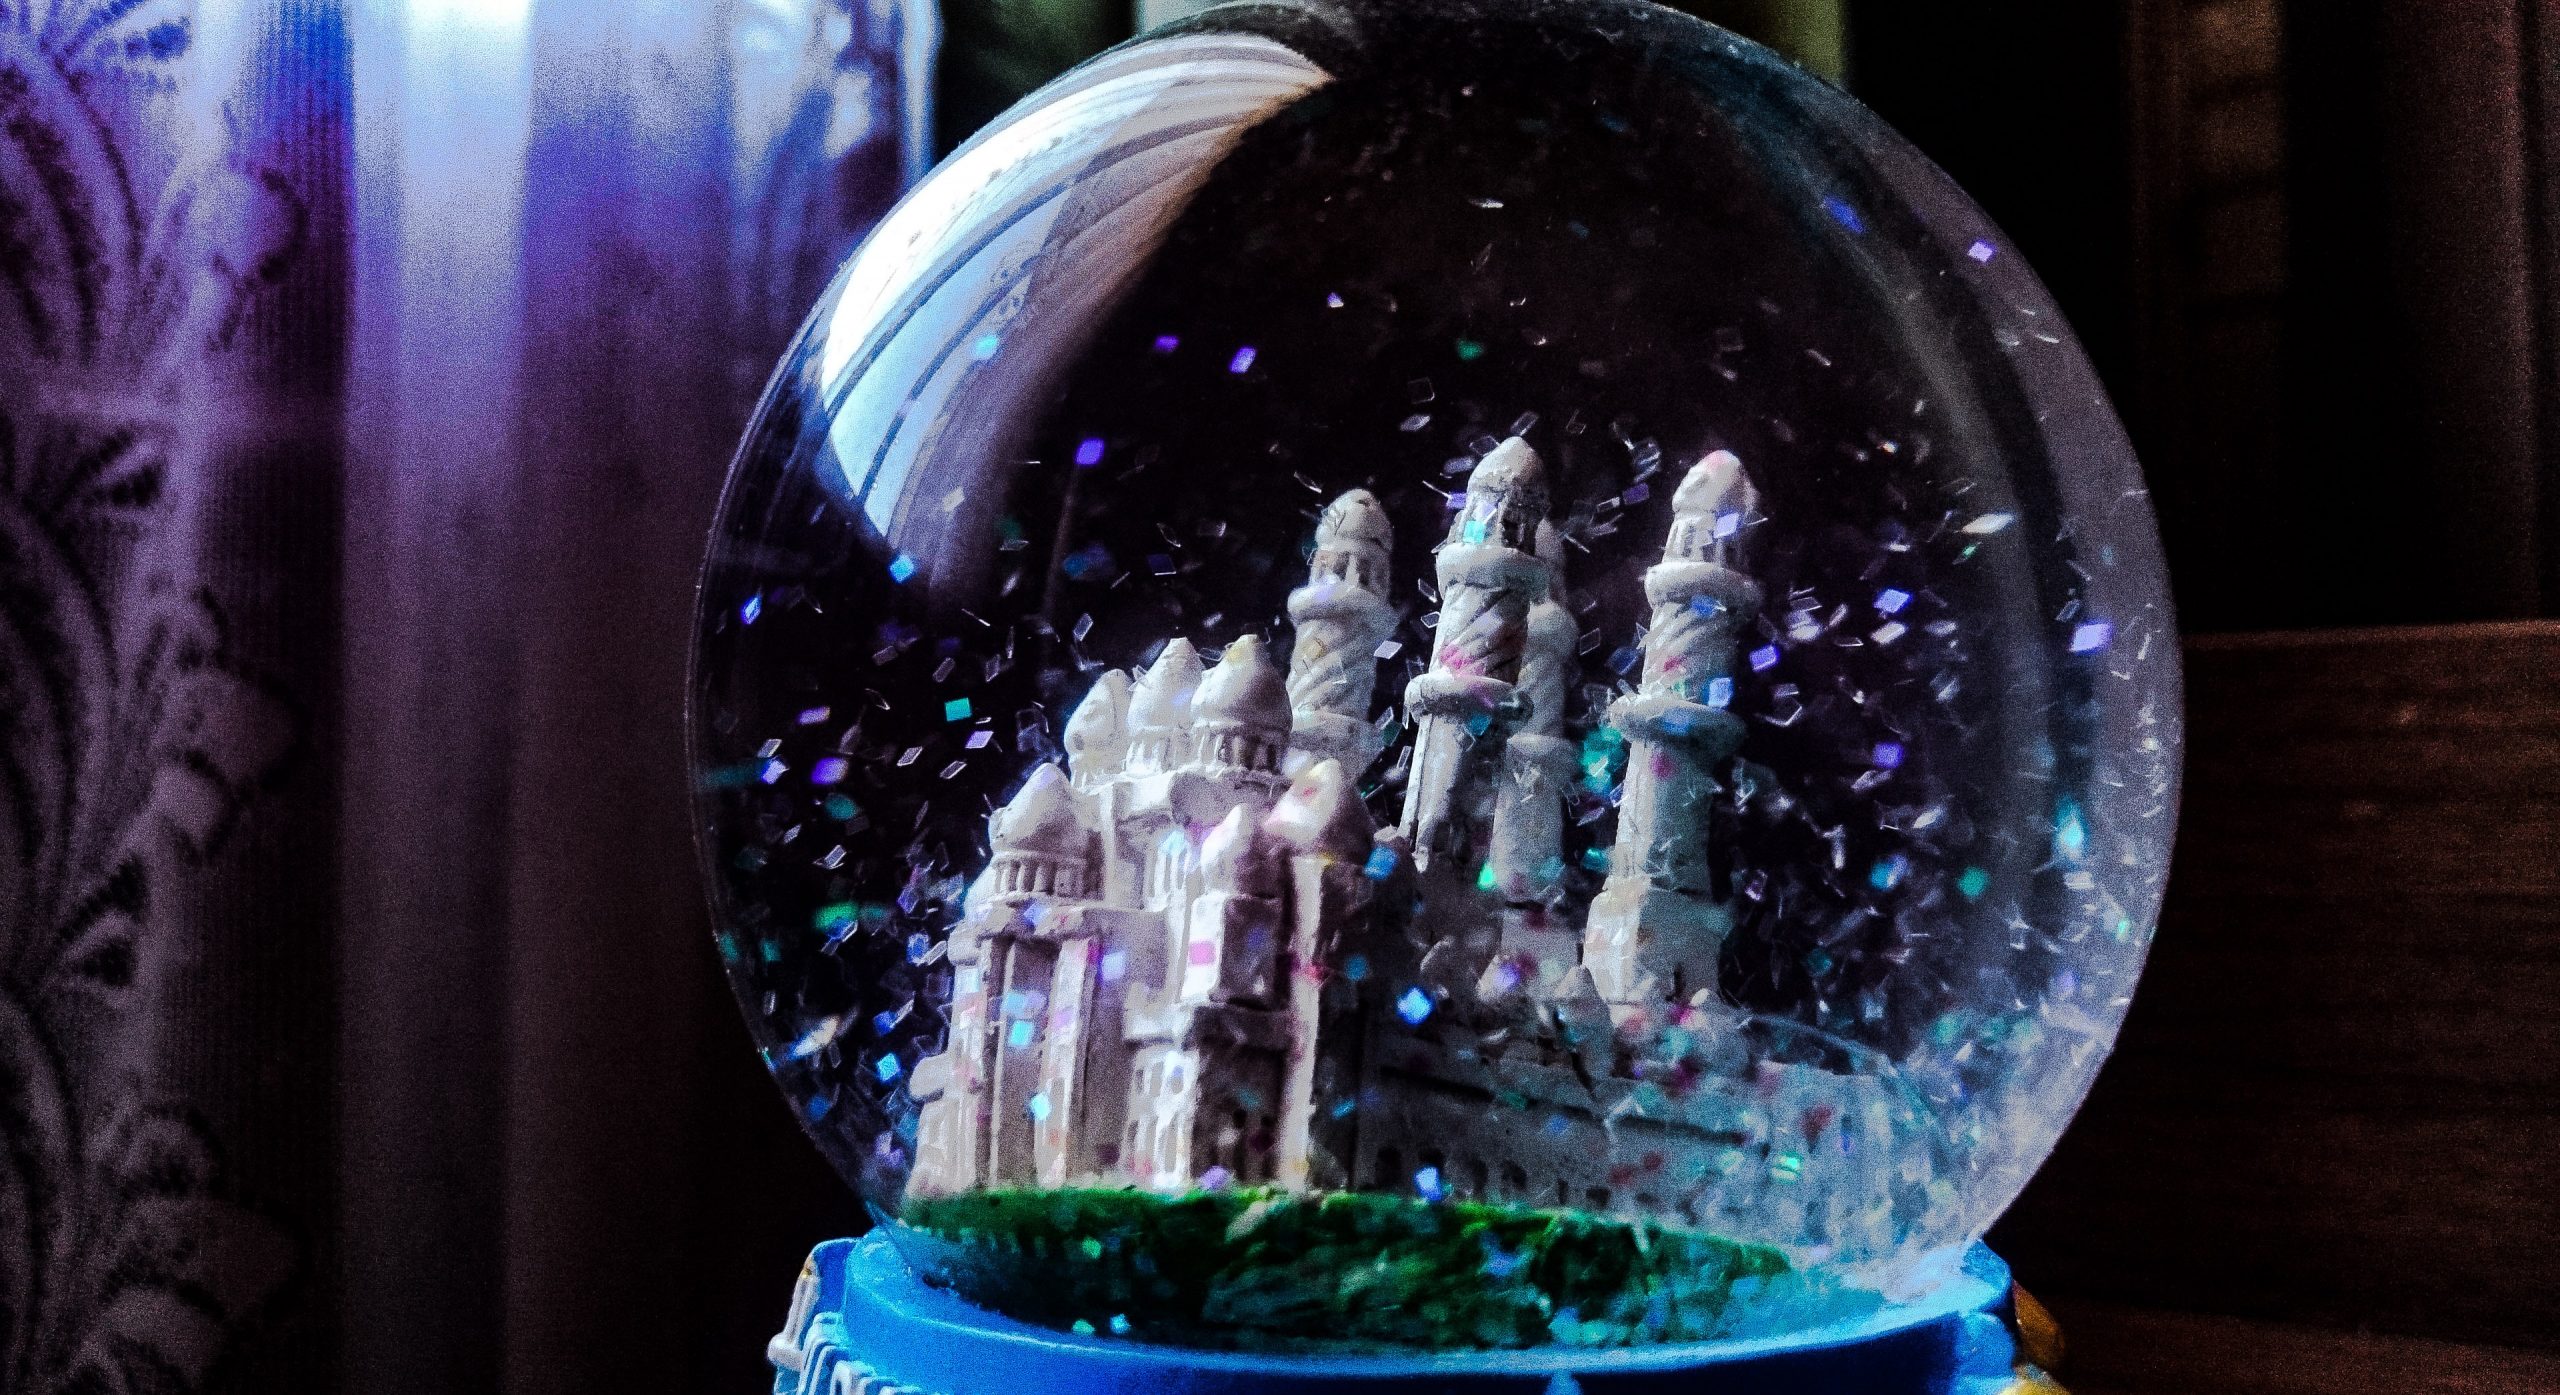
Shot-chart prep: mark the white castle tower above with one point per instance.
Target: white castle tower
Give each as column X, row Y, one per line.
column 1656, row 928
column 1490, row 579
column 1342, row 615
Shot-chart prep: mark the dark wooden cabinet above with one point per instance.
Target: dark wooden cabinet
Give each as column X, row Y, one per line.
column 2326, row 1155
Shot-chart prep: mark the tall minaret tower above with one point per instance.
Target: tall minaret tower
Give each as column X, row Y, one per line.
column 1490, row 578
column 1655, row 928
column 1342, row 615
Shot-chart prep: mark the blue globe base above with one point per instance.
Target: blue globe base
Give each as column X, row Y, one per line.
column 862, row 1324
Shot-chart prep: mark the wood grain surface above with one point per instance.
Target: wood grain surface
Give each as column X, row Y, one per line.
column 2337, row 1100
column 2116, row 1350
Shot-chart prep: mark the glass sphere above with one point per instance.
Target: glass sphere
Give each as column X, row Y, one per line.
column 1436, row 673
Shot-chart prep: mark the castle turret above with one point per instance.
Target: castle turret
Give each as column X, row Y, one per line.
column 1240, row 716
column 1160, row 710
column 1235, row 948
column 1655, row 928
column 1342, row 615
column 1098, row 733
column 1042, row 847
column 1538, row 762
column 1489, row 580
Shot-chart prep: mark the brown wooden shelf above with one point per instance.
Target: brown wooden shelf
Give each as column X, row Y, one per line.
column 2112, row 1349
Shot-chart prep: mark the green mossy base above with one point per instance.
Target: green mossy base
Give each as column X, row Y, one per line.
column 1349, row 1270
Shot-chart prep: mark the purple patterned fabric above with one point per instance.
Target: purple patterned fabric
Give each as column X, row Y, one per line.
column 367, row 372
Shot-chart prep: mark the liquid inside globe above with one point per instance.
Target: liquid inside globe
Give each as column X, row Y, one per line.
column 1435, row 674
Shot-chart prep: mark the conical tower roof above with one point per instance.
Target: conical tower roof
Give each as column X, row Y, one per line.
column 1512, row 468
column 1355, row 521
column 1321, row 813
column 1709, row 483
column 1041, row 819
column 1164, row 691
column 1234, row 858
column 1246, row 689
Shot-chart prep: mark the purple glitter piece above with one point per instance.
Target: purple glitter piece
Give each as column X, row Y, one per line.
column 1243, row 361
column 1167, row 343
column 2092, row 637
column 1764, row 658
column 1089, row 452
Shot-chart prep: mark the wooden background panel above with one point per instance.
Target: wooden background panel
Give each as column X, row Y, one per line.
column 2337, row 1099
column 2114, row 1350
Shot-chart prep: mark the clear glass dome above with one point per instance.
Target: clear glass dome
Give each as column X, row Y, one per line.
column 1436, row 673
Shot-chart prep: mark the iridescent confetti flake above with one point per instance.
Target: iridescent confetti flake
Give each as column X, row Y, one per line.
column 1990, row 523
column 1845, row 215
column 902, row 567
column 986, row 347
column 1469, row 350
column 1242, row 363
column 956, row 710
column 1888, row 755
column 1426, row 1184
column 1890, row 601
column 830, row 770
column 1167, row 343
column 1982, row 251
column 1414, row 1006
column 1764, row 658
column 1973, row 883
column 2091, row 637
column 748, row 612
column 1089, row 452
column 887, row 1069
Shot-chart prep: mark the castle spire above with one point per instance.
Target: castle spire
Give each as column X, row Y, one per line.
column 1240, row 715
column 1655, row 929
column 1489, row 580
column 1098, row 733
column 1342, row 615
column 1160, row 710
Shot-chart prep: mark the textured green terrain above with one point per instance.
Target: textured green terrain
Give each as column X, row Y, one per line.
column 1347, row 1270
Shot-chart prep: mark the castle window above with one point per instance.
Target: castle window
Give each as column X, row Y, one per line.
column 1598, row 1197
column 1390, row 1171
column 1479, row 1177
column 1515, row 1181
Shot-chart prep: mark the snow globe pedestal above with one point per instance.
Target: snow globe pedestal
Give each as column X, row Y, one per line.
column 862, row 1323
column 1431, row 694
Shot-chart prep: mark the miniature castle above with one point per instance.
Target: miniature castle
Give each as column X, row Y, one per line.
column 1194, row 960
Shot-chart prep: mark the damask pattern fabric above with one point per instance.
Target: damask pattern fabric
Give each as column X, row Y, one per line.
column 366, row 374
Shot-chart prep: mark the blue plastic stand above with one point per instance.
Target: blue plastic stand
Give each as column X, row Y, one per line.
column 862, row 1324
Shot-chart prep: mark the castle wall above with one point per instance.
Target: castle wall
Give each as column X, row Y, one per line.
column 1018, row 1022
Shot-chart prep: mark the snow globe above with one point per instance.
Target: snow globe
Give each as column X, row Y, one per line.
column 1450, row 694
